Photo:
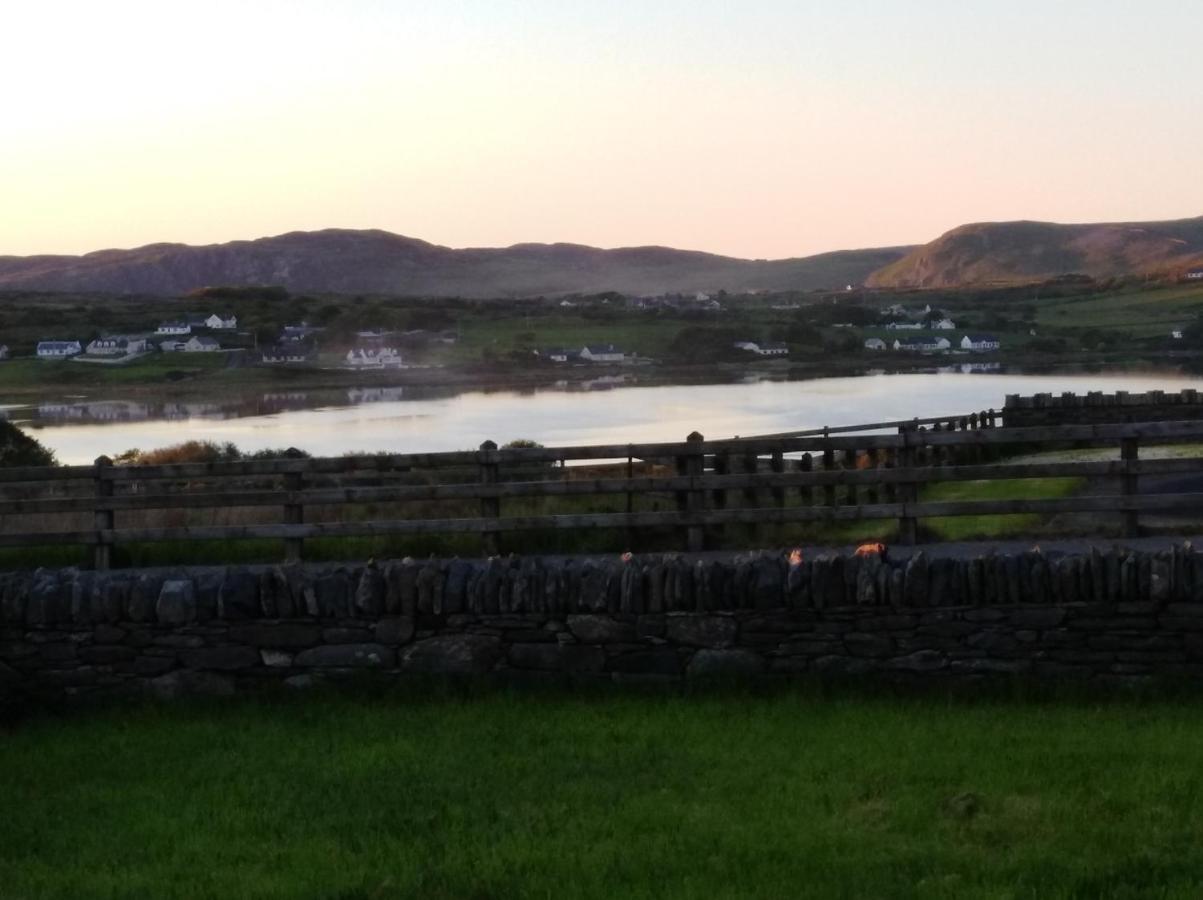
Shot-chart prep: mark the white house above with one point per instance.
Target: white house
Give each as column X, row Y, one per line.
column 3, row 351
column 770, row 348
column 1194, row 275
column 178, row 326
column 875, row 344
column 373, row 358
column 222, row 322
column 200, row 344
column 58, row 349
column 171, row 346
column 924, row 345
column 1176, row 334
column 904, row 326
column 556, row 354
column 944, row 325
column 980, row 343
column 602, row 353
column 116, row 345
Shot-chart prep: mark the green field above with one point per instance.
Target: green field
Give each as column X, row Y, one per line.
column 497, row 795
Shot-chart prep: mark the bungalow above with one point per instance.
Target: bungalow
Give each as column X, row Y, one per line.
column 768, row 348
column 116, row 345
column 980, row 343
column 875, row 344
column 3, row 351
column 171, row 346
column 176, row 326
column 557, row 355
column 944, row 324
column 924, row 345
column 373, row 358
column 1194, row 275
column 1176, row 334
column 292, row 352
column 58, row 349
column 904, row 326
column 602, row 353
column 217, row 322
column 200, row 344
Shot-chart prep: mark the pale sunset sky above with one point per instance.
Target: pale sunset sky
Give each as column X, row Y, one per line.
column 755, row 128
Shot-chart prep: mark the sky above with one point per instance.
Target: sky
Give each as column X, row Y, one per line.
column 760, row 128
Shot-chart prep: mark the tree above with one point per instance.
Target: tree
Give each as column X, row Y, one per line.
column 19, row 449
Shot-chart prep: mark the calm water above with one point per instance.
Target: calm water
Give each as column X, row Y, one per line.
column 397, row 420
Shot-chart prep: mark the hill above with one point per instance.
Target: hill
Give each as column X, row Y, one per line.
column 1021, row 252
column 347, row 261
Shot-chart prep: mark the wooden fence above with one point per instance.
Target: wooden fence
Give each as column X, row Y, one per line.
column 693, row 488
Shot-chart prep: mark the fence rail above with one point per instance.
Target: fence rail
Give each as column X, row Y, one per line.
column 694, row 488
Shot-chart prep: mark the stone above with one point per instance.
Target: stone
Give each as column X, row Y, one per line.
column 300, row 682
column 707, row 663
column 590, row 629
column 657, row 661
column 106, row 654
column 238, row 597
column 452, row 654
column 333, row 594
column 401, row 591
column 369, row 592
column 535, row 656
column 287, row 635
column 346, row 656
column 152, row 665
column 183, row 683
column 346, row 635
column 224, row 658
column 873, row 645
column 394, row 630
column 919, row 661
column 990, row 666
column 1036, row 618
column 701, row 631
column 430, row 589
column 177, row 602
column 276, row 659
column 579, row 658
column 916, row 581
column 455, row 588
column 841, row 665
column 108, row 634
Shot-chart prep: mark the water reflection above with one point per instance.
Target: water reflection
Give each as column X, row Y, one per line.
column 602, row 410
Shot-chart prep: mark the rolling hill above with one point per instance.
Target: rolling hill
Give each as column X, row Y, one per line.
column 1022, row 252
column 348, row 261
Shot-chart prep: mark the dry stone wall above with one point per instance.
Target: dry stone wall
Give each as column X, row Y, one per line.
column 1096, row 407
column 1115, row 615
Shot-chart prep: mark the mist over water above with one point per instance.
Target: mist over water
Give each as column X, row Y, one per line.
column 385, row 419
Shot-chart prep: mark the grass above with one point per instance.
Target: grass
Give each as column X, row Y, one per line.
column 1148, row 312
column 960, row 528
column 551, row 795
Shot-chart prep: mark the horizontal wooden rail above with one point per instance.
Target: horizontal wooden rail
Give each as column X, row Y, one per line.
column 696, row 487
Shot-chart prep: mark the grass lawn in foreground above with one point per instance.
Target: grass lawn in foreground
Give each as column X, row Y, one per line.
column 555, row 795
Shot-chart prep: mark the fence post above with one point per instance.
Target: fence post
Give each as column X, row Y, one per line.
column 778, row 466
column 828, row 466
column 693, row 500
column 102, row 520
column 1129, row 485
column 908, row 491
column 490, row 507
column 294, row 512
column 806, row 464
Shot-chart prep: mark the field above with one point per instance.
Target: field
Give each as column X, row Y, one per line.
column 492, row 794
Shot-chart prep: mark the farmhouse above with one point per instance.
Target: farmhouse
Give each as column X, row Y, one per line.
column 200, row 344
column 602, row 353
column 373, row 358
column 58, row 349
column 116, row 345
column 980, row 343
column 944, row 324
column 557, row 355
column 291, row 352
column 219, row 322
column 875, row 344
column 924, row 345
column 769, row 348
column 174, row 327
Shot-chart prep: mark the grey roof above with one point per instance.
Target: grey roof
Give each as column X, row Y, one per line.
column 602, row 348
column 982, row 338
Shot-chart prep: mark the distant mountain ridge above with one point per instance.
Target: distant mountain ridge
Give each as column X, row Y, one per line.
column 372, row 261
column 1024, row 252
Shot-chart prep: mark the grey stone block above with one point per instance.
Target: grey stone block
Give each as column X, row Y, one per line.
column 347, row 656
column 177, row 602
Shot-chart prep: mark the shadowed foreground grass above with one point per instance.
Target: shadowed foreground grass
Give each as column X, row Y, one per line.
column 500, row 795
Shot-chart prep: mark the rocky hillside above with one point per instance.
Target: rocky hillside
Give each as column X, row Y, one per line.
column 340, row 261
column 1019, row 252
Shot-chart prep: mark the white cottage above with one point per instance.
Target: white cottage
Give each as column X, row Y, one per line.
column 373, row 358
column 980, row 343
column 58, row 349
column 875, row 344
column 602, row 353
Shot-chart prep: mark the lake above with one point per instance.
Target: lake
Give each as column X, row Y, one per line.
column 601, row 411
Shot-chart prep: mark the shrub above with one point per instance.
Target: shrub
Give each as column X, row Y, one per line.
column 19, row 449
